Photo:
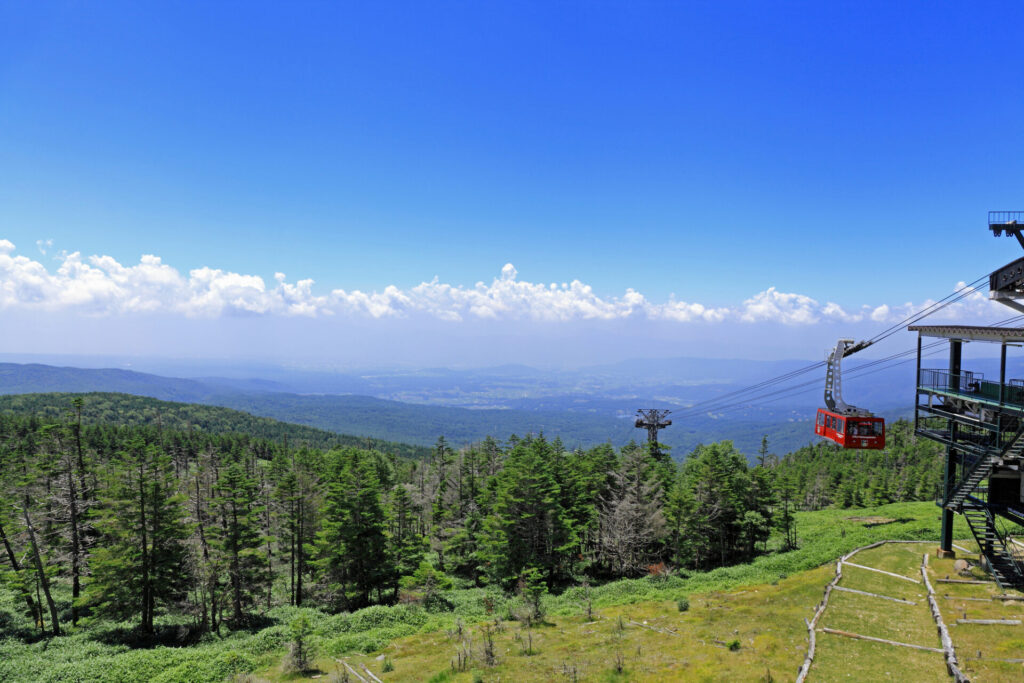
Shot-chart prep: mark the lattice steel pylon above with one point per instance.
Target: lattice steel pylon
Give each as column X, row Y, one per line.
column 653, row 419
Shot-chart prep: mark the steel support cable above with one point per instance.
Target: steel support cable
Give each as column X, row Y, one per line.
column 807, row 391
column 693, row 410
column 711, row 403
column 755, row 387
column 783, row 391
column 798, row 389
column 959, row 294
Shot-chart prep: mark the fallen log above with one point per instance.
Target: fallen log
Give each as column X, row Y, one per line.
column 975, row 582
column 351, row 670
column 858, row 636
column 874, row 595
column 994, row 622
column 370, row 673
column 882, row 571
column 995, row 659
column 957, row 597
column 655, row 628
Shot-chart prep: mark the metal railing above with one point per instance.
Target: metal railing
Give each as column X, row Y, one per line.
column 972, row 384
column 997, row 218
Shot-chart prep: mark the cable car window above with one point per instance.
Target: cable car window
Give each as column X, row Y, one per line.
column 821, row 419
column 842, row 424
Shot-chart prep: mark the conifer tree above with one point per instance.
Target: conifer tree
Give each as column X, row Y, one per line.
column 238, row 539
column 139, row 565
column 527, row 527
column 631, row 517
column 406, row 544
column 351, row 547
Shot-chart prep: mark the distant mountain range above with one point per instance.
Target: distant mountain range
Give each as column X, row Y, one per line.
column 583, row 407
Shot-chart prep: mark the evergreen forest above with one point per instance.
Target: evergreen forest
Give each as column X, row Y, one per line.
column 146, row 519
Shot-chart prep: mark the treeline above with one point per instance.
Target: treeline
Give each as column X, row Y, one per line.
column 824, row 475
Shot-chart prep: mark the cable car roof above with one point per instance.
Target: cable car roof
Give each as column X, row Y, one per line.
column 1001, row 335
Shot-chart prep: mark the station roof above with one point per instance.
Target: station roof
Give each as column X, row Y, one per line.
column 1000, row 335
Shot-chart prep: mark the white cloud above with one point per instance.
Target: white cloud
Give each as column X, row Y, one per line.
column 100, row 285
column 790, row 309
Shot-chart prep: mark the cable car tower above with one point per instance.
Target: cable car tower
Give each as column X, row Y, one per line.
column 980, row 422
column 652, row 420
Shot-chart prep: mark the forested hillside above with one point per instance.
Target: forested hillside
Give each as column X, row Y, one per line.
column 150, row 517
column 17, row 378
column 127, row 409
column 822, row 475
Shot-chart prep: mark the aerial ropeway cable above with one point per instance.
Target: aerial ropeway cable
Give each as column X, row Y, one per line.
column 728, row 400
column 846, row 425
column 802, row 388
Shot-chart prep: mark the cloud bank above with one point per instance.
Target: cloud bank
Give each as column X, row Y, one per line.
column 100, row 285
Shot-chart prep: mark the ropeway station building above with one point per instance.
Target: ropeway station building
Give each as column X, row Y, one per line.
column 980, row 420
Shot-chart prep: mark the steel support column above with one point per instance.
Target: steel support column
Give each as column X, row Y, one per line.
column 946, row 538
column 917, row 394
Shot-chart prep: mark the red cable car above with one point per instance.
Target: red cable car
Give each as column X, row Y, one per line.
column 851, row 431
column 846, row 425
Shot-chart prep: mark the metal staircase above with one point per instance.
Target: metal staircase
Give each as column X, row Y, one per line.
column 1004, row 567
column 982, row 468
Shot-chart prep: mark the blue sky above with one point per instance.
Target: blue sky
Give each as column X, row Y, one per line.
column 845, row 152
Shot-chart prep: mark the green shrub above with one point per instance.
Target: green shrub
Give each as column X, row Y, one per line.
column 683, row 604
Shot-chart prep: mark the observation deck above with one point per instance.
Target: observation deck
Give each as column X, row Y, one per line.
column 981, row 423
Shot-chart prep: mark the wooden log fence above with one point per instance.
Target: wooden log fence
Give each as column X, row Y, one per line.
column 813, row 623
column 947, row 643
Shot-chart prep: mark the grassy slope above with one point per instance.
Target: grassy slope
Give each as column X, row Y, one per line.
column 765, row 601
